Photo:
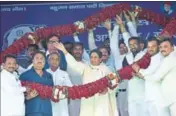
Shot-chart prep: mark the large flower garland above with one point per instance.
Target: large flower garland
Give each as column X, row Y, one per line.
column 153, row 17
column 77, row 92
column 88, row 23
column 17, row 46
column 90, row 89
column 170, row 28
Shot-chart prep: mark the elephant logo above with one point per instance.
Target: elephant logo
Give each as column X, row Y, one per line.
column 18, row 31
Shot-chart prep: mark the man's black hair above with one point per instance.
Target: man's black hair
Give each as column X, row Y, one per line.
column 8, row 56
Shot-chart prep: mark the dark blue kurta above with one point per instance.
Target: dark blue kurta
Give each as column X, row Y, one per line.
column 37, row 106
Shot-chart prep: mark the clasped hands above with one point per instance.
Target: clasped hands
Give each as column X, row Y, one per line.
column 136, row 72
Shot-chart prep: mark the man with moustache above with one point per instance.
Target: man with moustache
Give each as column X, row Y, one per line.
column 60, row 78
column 119, row 50
column 37, row 74
column 135, row 85
column 75, row 77
column 134, row 88
column 12, row 93
column 165, row 75
column 153, row 96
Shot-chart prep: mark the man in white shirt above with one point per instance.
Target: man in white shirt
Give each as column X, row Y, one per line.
column 119, row 50
column 75, row 77
column 59, row 78
column 135, row 85
column 85, row 55
column 153, row 96
column 165, row 75
column 135, row 99
column 12, row 93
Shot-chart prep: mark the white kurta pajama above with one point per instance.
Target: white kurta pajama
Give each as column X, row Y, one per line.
column 118, row 59
column 60, row 78
column 165, row 75
column 135, row 87
column 124, row 84
column 153, row 96
column 12, row 95
column 136, row 106
column 98, row 105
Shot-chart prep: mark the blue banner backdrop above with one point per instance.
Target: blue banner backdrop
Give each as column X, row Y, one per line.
column 16, row 20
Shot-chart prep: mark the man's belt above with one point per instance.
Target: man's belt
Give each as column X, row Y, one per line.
column 122, row 90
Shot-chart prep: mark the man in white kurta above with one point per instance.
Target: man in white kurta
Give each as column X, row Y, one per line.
column 12, row 93
column 59, row 78
column 165, row 75
column 102, row 104
column 153, row 96
column 118, row 60
column 135, row 85
column 135, row 89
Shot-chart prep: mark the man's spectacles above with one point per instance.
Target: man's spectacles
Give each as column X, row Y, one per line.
column 52, row 42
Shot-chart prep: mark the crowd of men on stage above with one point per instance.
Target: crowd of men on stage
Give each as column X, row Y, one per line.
column 150, row 92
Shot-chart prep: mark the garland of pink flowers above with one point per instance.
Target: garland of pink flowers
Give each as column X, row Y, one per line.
column 89, row 22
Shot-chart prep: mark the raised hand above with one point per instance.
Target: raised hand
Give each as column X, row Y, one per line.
column 126, row 16
column 118, row 20
column 133, row 17
column 107, row 24
column 132, row 14
column 61, row 47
